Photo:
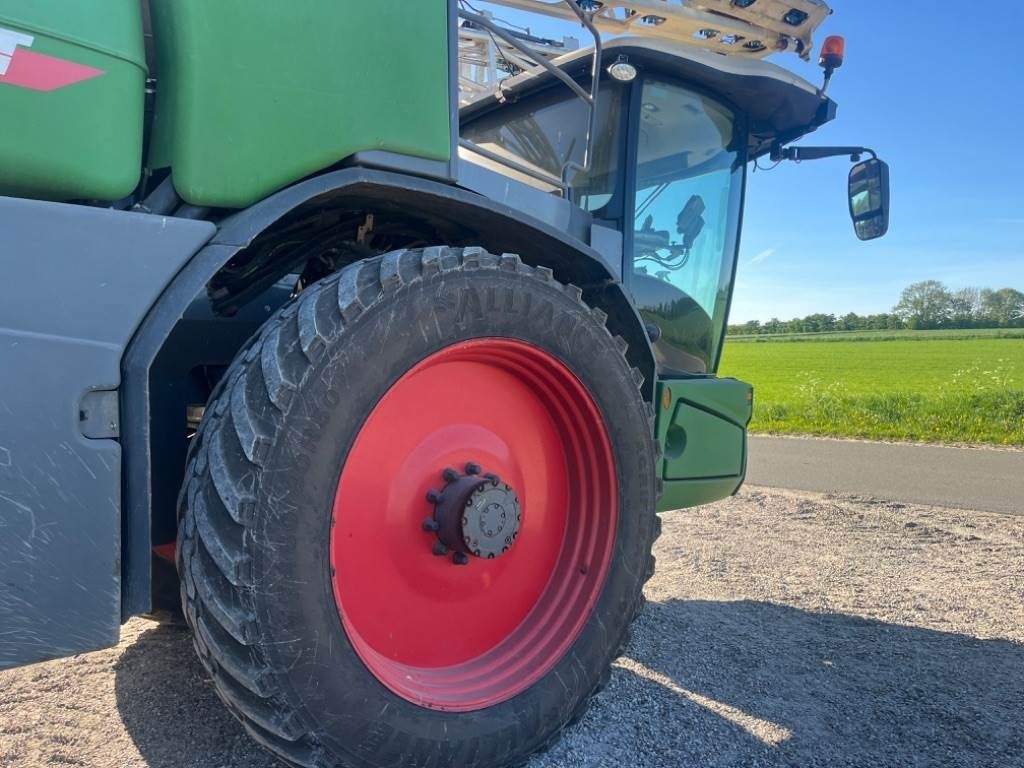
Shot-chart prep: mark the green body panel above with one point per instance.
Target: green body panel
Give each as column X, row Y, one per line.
column 715, row 453
column 84, row 140
column 702, row 429
column 255, row 94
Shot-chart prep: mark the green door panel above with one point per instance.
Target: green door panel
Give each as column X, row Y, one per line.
column 716, row 452
column 702, row 430
column 253, row 95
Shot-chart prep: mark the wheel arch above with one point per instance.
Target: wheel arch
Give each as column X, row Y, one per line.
column 455, row 217
column 423, row 210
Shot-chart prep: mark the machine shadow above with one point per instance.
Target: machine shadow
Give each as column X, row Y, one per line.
column 707, row 684
column 171, row 711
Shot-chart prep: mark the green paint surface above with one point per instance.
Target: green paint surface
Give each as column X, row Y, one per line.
column 701, row 426
column 932, row 388
column 82, row 141
column 254, row 95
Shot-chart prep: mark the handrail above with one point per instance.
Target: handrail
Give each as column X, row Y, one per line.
column 595, row 82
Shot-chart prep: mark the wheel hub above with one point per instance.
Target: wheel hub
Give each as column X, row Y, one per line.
column 474, row 515
column 464, row 638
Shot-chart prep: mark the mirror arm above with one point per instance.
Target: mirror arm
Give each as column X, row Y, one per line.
column 798, row 154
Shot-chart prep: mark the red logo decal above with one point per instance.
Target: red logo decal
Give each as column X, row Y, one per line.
column 40, row 72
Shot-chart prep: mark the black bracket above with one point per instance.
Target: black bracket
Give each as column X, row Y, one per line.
column 799, row 154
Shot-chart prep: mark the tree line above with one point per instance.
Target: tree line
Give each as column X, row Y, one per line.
column 922, row 306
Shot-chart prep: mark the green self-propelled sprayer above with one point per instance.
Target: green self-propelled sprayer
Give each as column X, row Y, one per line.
column 373, row 336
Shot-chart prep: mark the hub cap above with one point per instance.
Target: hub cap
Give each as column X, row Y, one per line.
column 528, row 504
column 473, row 516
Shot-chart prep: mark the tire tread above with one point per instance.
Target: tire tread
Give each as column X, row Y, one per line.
column 217, row 502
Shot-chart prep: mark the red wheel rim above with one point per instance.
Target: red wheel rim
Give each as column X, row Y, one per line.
column 462, row 638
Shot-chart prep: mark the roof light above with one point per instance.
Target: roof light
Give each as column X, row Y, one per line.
column 795, row 17
column 832, row 53
column 622, row 71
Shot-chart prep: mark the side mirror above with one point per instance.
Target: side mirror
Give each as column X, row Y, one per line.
column 869, row 199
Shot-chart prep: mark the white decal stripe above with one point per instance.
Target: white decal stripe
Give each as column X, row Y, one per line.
column 9, row 40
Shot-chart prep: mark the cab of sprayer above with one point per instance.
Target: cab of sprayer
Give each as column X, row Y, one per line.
column 675, row 130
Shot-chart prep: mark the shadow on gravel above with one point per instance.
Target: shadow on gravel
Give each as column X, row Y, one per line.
column 800, row 688
column 171, row 712
column 708, row 684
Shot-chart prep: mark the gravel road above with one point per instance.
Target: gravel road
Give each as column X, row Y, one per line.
column 782, row 629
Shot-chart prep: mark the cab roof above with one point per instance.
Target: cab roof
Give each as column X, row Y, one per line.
column 779, row 105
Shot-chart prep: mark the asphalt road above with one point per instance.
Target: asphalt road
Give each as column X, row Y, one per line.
column 963, row 478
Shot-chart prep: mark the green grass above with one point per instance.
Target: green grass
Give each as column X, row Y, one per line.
column 928, row 386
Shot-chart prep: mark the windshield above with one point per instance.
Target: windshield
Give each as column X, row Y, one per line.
column 689, row 189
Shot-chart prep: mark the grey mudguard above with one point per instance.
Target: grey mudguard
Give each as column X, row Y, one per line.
column 75, row 283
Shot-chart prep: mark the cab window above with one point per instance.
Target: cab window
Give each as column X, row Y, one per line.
column 548, row 131
column 689, row 186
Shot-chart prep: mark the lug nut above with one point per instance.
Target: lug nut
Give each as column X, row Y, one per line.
column 430, row 525
column 460, row 558
column 493, row 478
column 440, row 549
column 450, row 474
column 472, row 468
column 433, row 496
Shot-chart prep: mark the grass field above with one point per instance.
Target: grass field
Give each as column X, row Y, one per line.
column 960, row 387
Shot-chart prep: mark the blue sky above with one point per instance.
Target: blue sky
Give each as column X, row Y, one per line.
column 939, row 93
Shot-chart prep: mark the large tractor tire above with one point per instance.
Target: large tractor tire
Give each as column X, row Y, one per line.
column 418, row 515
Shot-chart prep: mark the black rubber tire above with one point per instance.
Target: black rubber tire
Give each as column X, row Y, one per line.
column 256, row 508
